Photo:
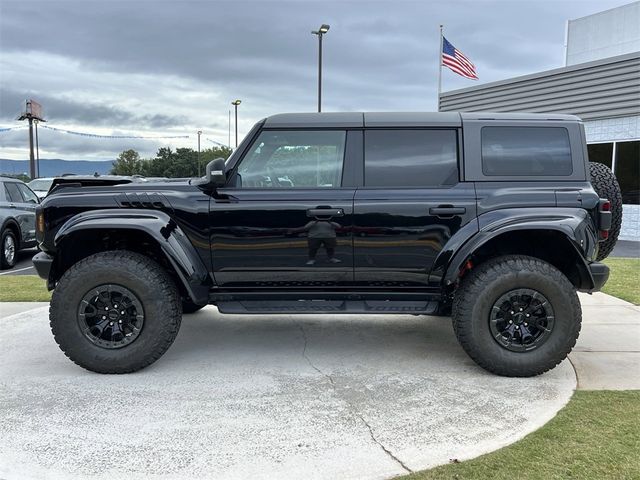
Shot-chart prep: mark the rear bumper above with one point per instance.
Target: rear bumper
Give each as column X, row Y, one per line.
column 43, row 262
column 600, row 274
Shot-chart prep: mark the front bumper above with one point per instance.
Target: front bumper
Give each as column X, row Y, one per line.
column 600, row 274
column 43, row 262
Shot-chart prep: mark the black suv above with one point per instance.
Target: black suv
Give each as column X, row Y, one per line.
column 489, row 218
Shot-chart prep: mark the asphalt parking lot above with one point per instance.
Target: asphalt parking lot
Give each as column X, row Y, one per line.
column 24, row 265
column 236, row 397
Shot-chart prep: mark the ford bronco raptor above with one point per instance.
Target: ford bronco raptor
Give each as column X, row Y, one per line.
column 494, row 219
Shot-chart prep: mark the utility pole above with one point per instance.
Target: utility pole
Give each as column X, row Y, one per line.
column 37, row 152
column 33, row 111
column 199, row 133
column 229, row 142
column 235, row 103
column 324, row 28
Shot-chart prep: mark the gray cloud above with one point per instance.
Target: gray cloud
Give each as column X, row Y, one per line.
column 176, row 65
column 62, row 110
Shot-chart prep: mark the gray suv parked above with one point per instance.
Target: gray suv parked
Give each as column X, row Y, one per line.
column 17, row 218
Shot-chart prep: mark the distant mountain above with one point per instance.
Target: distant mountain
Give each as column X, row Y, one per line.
column 52, row 167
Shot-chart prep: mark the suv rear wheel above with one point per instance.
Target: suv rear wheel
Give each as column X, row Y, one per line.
column 115, row 312
column 516, row 316
column 8, row 249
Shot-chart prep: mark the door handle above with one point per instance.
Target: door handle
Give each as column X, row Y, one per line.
column 325, row 212
column 447, row 211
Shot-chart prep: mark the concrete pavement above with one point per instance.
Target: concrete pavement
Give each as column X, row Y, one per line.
column 314, row 397
column 286, row 397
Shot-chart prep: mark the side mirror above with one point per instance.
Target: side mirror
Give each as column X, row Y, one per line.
column 215, row 173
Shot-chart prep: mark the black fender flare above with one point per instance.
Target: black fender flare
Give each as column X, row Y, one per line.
column 573, row 223
column 175, row 245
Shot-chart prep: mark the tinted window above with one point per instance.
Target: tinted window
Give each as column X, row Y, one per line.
column 28, row 195
column 290, row 159
column 13, row 194
column 410, row 158
column 601, row 153
column 533, row 151
column 628, row 171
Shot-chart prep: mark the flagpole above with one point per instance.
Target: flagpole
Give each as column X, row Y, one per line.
column 439, row 70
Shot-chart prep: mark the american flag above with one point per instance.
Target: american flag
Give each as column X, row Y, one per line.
column 456, row 61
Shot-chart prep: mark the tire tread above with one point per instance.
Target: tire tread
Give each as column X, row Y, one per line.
column 473, row 286
column 147, row 269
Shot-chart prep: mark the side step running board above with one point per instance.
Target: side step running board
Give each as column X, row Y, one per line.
column 425, row 307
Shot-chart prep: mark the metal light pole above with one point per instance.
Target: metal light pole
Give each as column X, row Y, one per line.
column 235, row 103
column 229, row 142
column 199, row 133
column 324, row 28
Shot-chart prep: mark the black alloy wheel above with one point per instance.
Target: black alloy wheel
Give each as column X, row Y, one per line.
column 110, row 316
column 521, row 320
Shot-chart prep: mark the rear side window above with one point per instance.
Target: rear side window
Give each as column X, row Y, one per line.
column 13, row 194
column 526, row 151
column 410, row 158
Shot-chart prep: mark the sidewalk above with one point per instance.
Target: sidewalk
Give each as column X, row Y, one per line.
column 607, row 355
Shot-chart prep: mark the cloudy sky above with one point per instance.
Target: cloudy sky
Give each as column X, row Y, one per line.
column 167, row 68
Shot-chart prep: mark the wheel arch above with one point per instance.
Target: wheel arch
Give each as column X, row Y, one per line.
column 15, row 227
column 560, row 237
column 153, row 234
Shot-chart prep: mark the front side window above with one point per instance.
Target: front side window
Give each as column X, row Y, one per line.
column 410, row 158
column 294, row 159
column 526, row 151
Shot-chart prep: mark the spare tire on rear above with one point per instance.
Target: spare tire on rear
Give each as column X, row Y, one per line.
column 605, row 184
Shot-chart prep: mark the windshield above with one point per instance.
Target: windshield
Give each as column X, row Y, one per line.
column 42, row 184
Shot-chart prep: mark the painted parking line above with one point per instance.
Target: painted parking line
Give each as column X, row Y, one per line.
column 9, row 272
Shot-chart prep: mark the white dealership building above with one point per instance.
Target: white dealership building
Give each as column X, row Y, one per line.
column 600, row 83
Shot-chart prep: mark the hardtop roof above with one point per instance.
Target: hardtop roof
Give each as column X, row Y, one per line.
column 398, row 119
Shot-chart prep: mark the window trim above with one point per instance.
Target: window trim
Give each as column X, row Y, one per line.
column 459, row 158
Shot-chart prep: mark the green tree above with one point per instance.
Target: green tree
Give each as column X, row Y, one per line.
column 20, row 176
column 183, row 162
column 127, row 163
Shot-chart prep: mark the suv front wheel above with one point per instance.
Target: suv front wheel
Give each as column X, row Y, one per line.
column 115, row 312
column 516, row 316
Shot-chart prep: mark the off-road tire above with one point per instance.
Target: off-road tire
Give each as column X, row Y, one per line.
column 189, row 307
column 4, row 262
column 605, row 184
column 139, row 274
column 481, row 288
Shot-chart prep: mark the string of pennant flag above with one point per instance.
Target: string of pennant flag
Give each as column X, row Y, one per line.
column 95, row 135
column 6, row 129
